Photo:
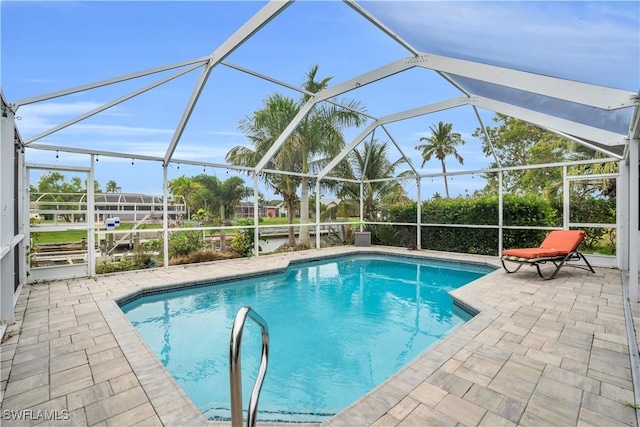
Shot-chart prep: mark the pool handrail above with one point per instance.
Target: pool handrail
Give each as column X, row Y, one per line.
column 235, row 373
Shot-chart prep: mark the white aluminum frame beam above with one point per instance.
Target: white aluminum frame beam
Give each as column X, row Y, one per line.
column 250, row 27
column 366, row 161
column 427, row 109
column 111, row 104
column 346, row 86
column 104, row 153
column 586, row 144
column 551, row 122
column 634, row 219
column 484, row 130
column 540, row 119
column 592, row 177
column 284, row 135
column 44, row 166
column 582, row 93
column 523, row 167
column 106, row 82
column 633, row 247
column 622, row 217
column 391, row 178
column 290, row 86
column 91, row 226
column 354, row 143
column 7, row 216
column 407, row 159
column 369, row 17
column 165, row 217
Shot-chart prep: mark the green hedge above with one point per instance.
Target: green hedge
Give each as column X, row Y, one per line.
column 593, row 210
column 518, row 210
column 138, row 262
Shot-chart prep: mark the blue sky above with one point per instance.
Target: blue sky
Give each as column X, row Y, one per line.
column 48, row 46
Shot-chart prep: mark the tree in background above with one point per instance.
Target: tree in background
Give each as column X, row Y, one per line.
column 206, row 196
column 184, row 187
column 320, row 138
column 262, row 129
column 112, row 187
column 440, row 144
column 516, row 143
column 372, row 163
column 53, row 188
column 315, row 141
column 229, row 195
column 606, row 187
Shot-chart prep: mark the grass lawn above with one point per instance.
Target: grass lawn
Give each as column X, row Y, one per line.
column 66, row 236
column 71, row 236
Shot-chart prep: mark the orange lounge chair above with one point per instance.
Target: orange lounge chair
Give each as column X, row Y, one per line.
column 559, row 247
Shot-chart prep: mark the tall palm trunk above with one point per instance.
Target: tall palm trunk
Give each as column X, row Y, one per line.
column 291, row 215
column 446, row 185
column 304, row 214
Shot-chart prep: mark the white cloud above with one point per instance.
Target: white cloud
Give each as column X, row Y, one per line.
column 224, row 133
column 120, row 130
column 53, row 109
column 37, row 118
column 36, row 80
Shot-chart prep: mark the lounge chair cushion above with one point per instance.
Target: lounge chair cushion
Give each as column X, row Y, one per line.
column 532, row 253
column 563, row 240
column 559, row 248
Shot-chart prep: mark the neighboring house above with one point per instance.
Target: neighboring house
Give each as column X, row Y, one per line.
column 134, row 207
column 329, row 203
column 126, row 206
column 324, row 203
column 282, row 209
column 245, row 210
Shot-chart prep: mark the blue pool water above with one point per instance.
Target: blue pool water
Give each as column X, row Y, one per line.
column 337, row 328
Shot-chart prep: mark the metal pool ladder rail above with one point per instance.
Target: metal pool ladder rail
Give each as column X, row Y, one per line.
column 235, row 371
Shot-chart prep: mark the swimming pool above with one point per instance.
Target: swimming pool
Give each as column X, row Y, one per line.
column 338, row 328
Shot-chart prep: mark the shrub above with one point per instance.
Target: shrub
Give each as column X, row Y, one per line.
column 593, row 210
column 182, row 243
column 243, row 242
column 391, row 236
column 205, row 255
column 138, row 262
column 154, row 245
column 518, row 210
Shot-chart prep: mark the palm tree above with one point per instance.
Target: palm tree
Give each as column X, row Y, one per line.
column 317, row 139
column 320, row 139
column 441, row 143
column 230, row 193
column 185, row 187
column 205, row 197
column 112, row 187
column 262, row 129
column 372, row 163
column 606, row 187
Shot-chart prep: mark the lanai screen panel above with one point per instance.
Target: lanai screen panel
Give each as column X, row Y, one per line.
column 592, row 42
column 612, row 120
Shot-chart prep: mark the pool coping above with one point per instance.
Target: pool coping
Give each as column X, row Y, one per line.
column 168, row 397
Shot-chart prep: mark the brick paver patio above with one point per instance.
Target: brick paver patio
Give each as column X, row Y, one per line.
column 538, row 353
